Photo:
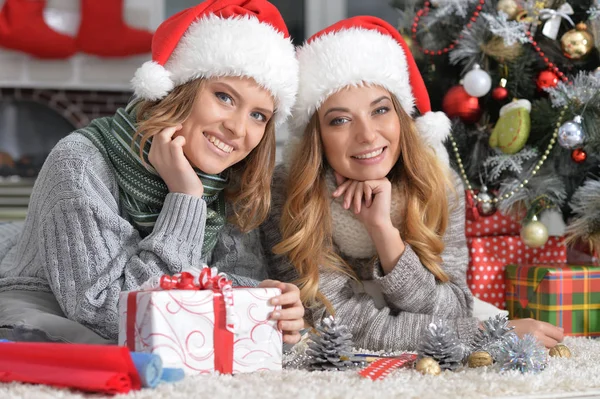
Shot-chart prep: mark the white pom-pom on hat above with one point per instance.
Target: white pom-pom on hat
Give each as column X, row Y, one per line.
column 152, row 81
column 434, row 128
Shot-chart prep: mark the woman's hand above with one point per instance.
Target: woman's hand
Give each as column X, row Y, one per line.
column 370, row 200
column 291, row 314
column 546, row 333
column 167, row 157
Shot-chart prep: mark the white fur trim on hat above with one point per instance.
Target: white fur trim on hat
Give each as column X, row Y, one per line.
column 353, row 56
column 434, row 128
column 151, row 81
column 242, row 46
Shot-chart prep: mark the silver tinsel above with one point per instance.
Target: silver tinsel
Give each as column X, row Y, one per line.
column 584, row 88
column 526, row 355
column 441, row 342
column 330, row 347
column 491, row 338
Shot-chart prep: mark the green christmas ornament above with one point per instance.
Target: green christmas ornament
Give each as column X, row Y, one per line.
column 512, row 129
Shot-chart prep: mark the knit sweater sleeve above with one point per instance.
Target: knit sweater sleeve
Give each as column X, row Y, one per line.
column 372, row 328
column 413, row 288
column 88, row 251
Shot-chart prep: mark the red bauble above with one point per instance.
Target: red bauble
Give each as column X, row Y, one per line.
column 457, row 102
column 578, row 155
column 499, row 93
column 547, row 80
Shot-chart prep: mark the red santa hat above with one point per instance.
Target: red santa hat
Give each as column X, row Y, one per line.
column 365, row 50
column 246, row 38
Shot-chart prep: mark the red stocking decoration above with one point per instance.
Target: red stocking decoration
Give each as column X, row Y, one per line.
column 22, row 28
column 103, row 31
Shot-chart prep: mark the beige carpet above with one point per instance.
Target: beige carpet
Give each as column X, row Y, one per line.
column 577, row 377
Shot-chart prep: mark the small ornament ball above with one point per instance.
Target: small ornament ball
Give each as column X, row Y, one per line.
column 571, row 134
column 577, row 43
column 534, row 234
column 428, row 365
column 578, row 155
column 560, row 350
column 485, row 207
column 509, row 7
column 458, row 103
column 477, row 82
column 500, row 93
column 480, row 359
column 546, row 80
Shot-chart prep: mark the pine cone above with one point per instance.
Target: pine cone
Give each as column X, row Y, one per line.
column 330, row 348
column 441, row 342
column 491, row 338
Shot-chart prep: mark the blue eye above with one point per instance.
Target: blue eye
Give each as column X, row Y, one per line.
column 226, row 98
column 258, row 116
column 338, row 121
column 382, row 110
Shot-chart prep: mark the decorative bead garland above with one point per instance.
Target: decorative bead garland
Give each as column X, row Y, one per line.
column 424, row 11
column 525, row 181
column 542, row 55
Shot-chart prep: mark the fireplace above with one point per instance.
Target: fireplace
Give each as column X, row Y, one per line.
column 32, row 121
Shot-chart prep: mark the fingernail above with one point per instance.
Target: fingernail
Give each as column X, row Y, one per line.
column 274, row 301
column 276, row 315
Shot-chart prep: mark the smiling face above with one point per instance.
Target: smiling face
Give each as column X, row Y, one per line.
column 228, row 120
column 360, row 131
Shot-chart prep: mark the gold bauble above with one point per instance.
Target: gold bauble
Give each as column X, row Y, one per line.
column 480, row 359
column 509, row 7
column 534, row 234
column 560, row 350
column 577, row 43
column 428, row 365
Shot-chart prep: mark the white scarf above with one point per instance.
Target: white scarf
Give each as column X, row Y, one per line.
column 349, row 234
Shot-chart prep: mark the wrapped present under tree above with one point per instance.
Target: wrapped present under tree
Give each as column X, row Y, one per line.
column 564, row 295
column 488, row 256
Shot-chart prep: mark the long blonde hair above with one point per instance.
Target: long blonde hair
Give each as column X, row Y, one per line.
column 306, row 219
column 250, row 188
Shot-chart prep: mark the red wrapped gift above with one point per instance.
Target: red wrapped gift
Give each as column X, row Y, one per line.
column 497, row 224
column 488, row 256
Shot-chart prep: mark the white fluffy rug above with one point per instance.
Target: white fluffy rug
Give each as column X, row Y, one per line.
column 577, row 377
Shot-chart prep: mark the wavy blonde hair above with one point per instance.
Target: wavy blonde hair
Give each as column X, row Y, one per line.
column 250, row 180
column 306, row 219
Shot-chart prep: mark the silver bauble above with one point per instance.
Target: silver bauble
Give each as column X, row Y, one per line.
column 485, row 207
column 571, row 134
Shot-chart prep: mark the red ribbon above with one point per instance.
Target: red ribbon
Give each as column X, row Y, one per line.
column 223, row 310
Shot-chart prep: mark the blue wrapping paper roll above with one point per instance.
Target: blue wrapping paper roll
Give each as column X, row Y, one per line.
column 149, row 367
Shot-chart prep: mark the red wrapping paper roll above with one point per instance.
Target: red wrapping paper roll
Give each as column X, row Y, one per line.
column 91, row 368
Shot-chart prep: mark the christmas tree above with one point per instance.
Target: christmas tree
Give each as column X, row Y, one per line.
column 521, row 81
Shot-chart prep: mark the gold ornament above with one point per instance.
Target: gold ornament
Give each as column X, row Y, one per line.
column 577, row 43
column 480, row 359
column 560, row 350
column 534, row 234
column 509, row 7
column 428, row 365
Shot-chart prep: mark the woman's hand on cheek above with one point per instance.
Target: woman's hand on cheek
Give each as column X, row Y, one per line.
column 167, row 157
column 370, row 200
column 290, row 316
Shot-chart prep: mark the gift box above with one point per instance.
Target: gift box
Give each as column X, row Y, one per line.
column 561, row 294
column 203, row 331
column 477, row 225
column 488, row 256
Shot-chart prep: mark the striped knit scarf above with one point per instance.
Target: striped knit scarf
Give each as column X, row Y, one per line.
column 142, row 191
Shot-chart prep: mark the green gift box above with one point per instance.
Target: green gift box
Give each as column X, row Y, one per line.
column 564, row 295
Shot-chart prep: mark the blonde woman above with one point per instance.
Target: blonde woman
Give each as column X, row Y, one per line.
column 371, row 218
column 150, row 190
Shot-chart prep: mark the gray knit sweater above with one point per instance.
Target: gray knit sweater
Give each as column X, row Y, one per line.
column 77, row 242
column 412, row 297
